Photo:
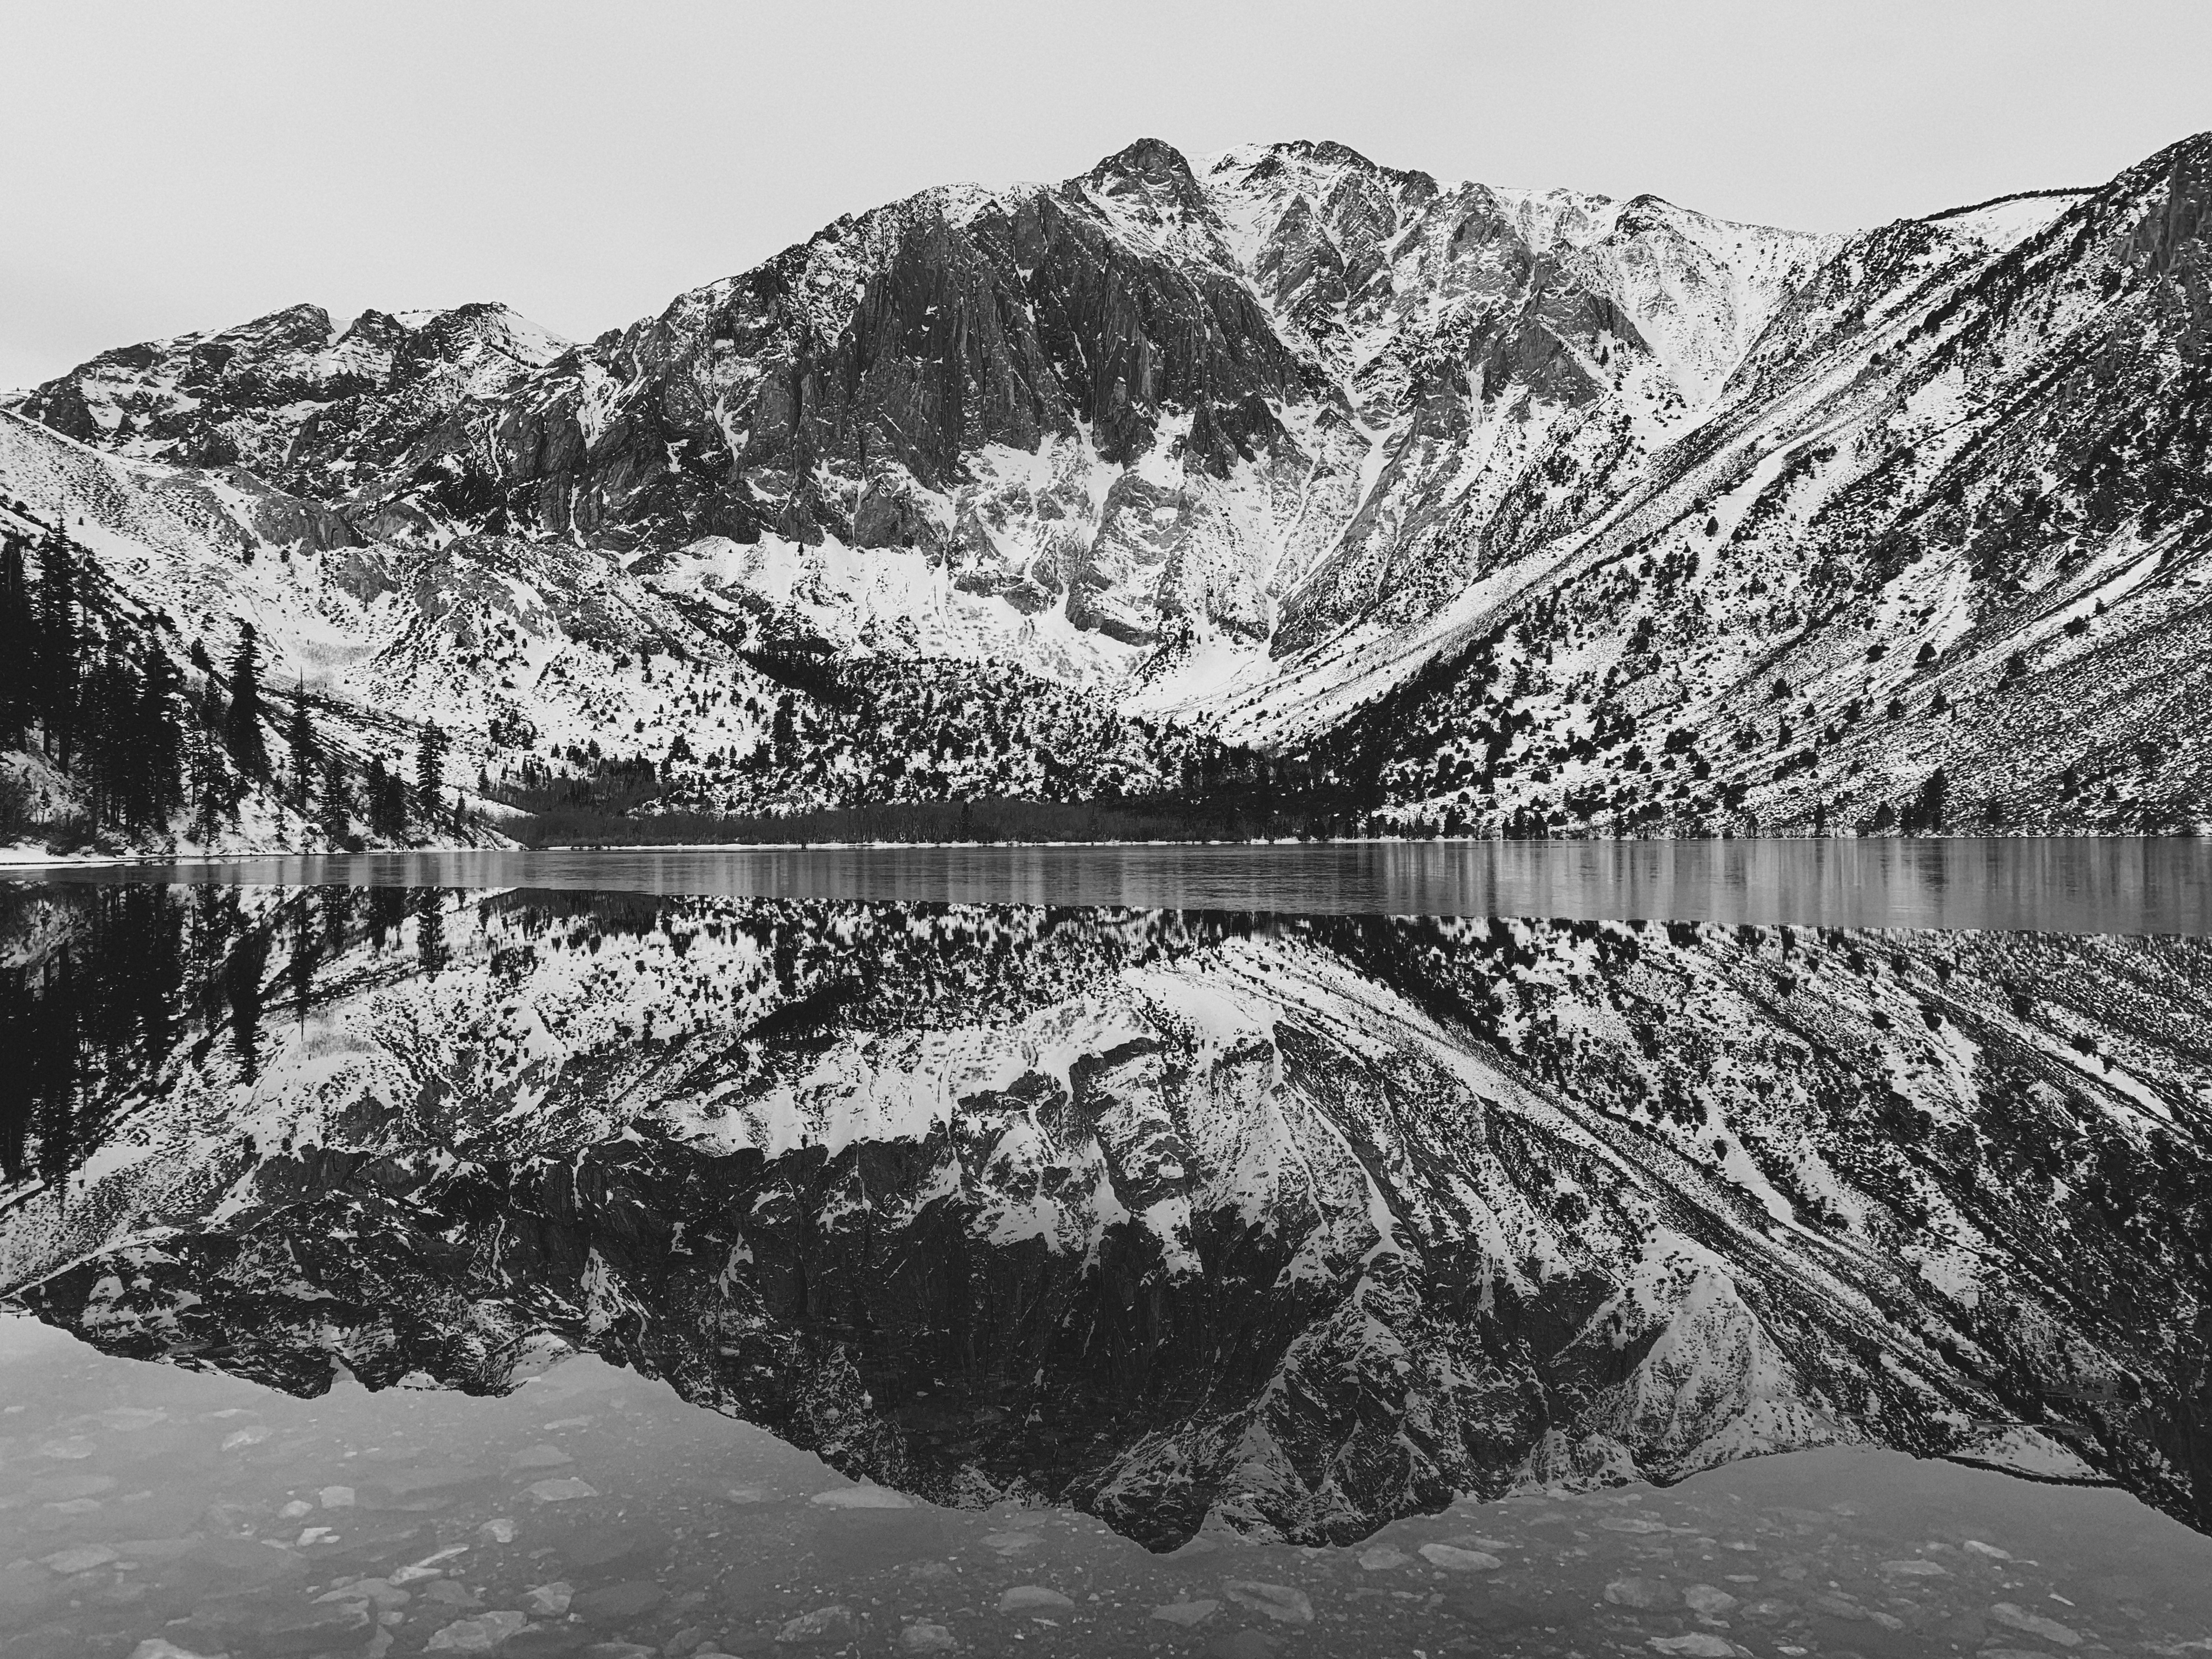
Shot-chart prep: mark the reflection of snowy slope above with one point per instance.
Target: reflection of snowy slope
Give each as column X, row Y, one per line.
column 1305, row 1228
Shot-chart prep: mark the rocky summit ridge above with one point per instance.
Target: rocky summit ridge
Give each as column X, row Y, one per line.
column 1464, row 508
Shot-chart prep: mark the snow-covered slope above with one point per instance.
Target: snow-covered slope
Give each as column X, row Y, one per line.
column 1951, row 514
column 291, row 395
column 535, row 653
column 1251, row 442
column 1301, row 1228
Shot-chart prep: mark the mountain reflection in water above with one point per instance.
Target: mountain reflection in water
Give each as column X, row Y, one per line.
column 1284, row 1227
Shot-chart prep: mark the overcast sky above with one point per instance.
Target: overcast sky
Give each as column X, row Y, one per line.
column 182, row 166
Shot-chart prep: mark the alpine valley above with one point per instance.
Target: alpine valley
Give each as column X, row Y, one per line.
column 1276, row 489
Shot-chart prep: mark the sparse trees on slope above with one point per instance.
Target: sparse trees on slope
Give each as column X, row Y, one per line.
column 108, row 707
column 208, row 793
column 1923, row 815
column 103, row 701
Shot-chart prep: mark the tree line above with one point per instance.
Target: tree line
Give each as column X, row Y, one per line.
column 99, row 696
column 103, row 703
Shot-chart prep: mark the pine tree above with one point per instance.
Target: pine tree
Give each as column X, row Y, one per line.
column 1925, row 815
column 160, row 735
column 299, row 738
column 18, row 647
column 337, row 798
column 55, row 664
column 108, row 713
column 430, row 768
column 241, row 732
column 783, row 733
column 387, row 801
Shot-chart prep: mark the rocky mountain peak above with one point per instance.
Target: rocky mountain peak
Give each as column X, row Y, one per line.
column 302, row 327
column 1147, row 193
column 1326, row 152
column 1150, row 163
column 290, row 396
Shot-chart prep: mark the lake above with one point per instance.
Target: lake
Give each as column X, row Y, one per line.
column 2117, row 885
column 1549, row 1249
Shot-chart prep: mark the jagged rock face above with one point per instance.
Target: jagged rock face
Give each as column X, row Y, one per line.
column 522, row 647
column 1512, row 353
column 315, row 408
column 976, row 377
column 979, row 375
column 1224, row 338
column 1950, row 515
column 1259, row 440
column 1303, row 1227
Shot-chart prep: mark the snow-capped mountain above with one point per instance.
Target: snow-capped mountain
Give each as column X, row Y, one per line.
column 1483, row 507
column 300, row 401
column 1298, row 1227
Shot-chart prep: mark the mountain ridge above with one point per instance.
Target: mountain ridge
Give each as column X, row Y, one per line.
column 1243, row 446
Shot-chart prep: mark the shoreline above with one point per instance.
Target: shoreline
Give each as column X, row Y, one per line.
column 15, row 860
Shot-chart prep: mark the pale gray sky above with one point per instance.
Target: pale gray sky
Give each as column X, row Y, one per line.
column 179, row 166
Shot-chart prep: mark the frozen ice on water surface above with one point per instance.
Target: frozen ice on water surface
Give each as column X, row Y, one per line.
column 82, row 1559
column 2017, row 1617
column 1281, row 1602
column 865, row 1496
column 1454, row 1558
column 550, row 1600
column 1710, row 1599
column 1186, row 1614
column 477, row 1634
column 561, row 1491
column 1033, row 1598
column 830, row 1624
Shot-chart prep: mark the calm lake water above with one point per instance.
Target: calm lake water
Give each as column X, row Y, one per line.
column 1746, row 1248
column 2120, row 884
